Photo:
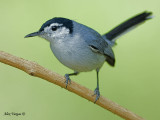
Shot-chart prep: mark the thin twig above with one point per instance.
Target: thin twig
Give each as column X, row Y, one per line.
column 34, row 69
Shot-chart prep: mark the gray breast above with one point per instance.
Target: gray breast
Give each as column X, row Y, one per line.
column 74, row 53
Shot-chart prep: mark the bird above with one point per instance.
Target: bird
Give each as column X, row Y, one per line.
column 82, row 48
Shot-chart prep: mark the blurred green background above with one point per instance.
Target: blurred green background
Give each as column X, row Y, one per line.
column 134, row 82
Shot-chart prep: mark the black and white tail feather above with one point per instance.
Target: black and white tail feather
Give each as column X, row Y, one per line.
column 126, row 26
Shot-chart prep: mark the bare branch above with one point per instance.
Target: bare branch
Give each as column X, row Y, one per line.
column 34, row 69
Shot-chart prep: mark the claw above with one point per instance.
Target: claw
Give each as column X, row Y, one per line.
column 97, row 93
column 67, row 79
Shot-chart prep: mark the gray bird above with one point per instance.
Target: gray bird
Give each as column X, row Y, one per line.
column 81, row 48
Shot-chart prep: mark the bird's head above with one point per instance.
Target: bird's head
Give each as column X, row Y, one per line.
column 56, row 28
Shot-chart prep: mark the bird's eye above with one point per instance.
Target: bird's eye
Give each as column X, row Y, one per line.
column 54, row 28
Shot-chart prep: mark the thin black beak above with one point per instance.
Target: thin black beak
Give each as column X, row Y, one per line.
column 33, row 34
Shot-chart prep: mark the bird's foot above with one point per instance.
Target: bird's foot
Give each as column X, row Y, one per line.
column 67, row 79
column 97, row 93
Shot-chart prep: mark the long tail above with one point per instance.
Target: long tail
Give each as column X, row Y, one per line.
column 126, row 26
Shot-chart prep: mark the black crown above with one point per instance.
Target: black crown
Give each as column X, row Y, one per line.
column 64, row 21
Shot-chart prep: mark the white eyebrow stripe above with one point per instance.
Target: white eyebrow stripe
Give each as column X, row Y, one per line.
column 56, row 24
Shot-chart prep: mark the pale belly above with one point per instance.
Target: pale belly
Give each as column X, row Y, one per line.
column 80, row 58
